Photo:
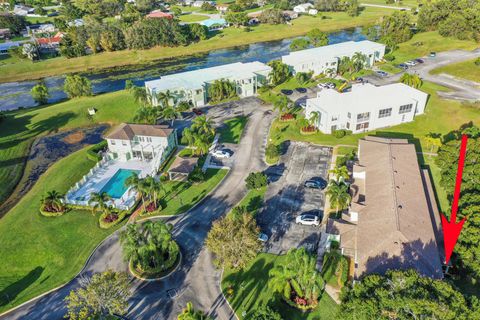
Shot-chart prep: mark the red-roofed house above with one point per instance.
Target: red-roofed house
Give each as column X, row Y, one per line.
column 49, row 44
column 159, row 14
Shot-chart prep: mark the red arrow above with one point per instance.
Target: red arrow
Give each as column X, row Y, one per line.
column 452, row 229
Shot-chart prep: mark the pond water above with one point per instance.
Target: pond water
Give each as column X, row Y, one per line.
column 14, row 95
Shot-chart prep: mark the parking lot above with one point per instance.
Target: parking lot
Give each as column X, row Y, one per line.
column 286, row 197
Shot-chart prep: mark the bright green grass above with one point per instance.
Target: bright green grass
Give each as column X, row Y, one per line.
column 232, row 129
column 250, row 291
column 343, row 150
column 35, row 20
column 181, row 196
column 404, row 3
column 192, row 17
column 253, row 200
column 40, row 253
column 465, row 69
column 20, row 127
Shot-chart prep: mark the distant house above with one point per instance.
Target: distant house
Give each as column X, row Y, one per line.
column 41, row 28
column 198, row 4
column 290, row 15
column 4, row 47
column 312, row 12
column 21, row 10
column 5, row 33
column 222, row 7
column 158, row 14
column 303, row 8
column 393, row 220
column 76, row 23
column 214, row 24
column 50, row 44
column 366, row 107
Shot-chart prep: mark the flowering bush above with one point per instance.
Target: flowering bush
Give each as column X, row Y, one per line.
column 287, row 117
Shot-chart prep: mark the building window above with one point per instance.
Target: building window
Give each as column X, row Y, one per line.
column 348, row 125
column 349, row 115
column 112, row 142
column 361, row 126
column 363, row 116
column 333, row 128
column 124, row 143
column 335, row 118
column 198, row 91
column 385, row 113
column 406, row 108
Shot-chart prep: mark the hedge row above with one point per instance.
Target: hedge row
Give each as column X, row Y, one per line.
column 93, row 151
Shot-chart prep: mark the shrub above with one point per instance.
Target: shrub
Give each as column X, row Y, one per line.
column 93, row 151
column 389, row 57
column 341, row 133
column 477, row 62
column 287, row 117
column 256, row 180
column 197, row 175
column 107, row 220
column 272, row 151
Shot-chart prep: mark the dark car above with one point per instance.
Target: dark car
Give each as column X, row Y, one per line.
column 286, row 92
column 315, row 184
column 198, row 112
column 433, row 54
column 403, row 66
column 301, row 90
column 420, row 60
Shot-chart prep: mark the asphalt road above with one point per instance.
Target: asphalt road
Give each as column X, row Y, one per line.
column 460, row 89
column 196, row 280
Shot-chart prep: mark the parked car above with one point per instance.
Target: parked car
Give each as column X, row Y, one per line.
column 262, row 237
column 402, row 66
column 321, row 85
column 219, row 153
column 301, row 90
column 198, row 112
column 433, row 54
column 381, row 73
column 315, row 184
column 286, row 92
column 420, row 60
column 330, row 85
column 411, row 63
column 308, row 220
column 302, row 104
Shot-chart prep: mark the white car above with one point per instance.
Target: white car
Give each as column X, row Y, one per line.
column 262, row 237
column 221, row 154
column 411, row 63
column 308, row 220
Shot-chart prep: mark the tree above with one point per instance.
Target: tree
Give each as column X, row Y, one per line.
column 314, row 118
column 138, row 185
column 340, row 173
column 40, row 93
column 272, row 151
column 352, row 8
column 297, row 279
column 272, row 16
column 169, row 113
column 140, row 95
column 328, row 5
column 281, row 104
column 317, row 38
column 299, row 44
column 152, row 188
column 198, row 31
column 234, row 242
column 30, row 50
column 149, row 247
column 164, row 98
column 237, row 19
column 112, row 39
column 52, row 202
column 280, row 72
column 12, row 22
column 265, row 313
column 146, row 115
column 222, row 89
column 338, row 194
column 359, row 61
column 99, row 201
column 189, row 313
column 404, row 295
column 203, row 125
column 256, row 180
column 303, row 77
column 412, row 80
column 395, row 29
column 77, row 86
column 207, row 6
column 147, row 33
column 103, row 294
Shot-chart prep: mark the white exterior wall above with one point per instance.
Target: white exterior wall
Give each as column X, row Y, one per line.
column 125, row 148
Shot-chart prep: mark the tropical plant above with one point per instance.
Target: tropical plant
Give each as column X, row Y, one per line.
column 338, row 193
column 40, row 93
column 340, row 173
column 99, row 297
column 203, row 125
column 256, row 180
column 234, row 241
column 52, row 202
column 299, row 44
column 359, row 60
column 164, row 98
column 146, row 115
column 272, row 151
column 280, row 72
column 100, row 201
column 265, row 313
column 138, row 185
column 222, row 89
column 317, row 38
column 297, row 279
column 314, row 118
column 140, row 95
column 189, row 313
column 153, row 188
column 412, row 80
column 77, row 86
column 169, row 113
column 149, row 246
column 282, row 104
column 303, row 77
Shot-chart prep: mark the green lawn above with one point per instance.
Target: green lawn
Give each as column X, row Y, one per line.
column 35, row 20
column 250, row 291
column 232, row 129
column 40, row 253
column 181, row 196
column 19, row 129
column 228, row 37
column 192, row 17
column 253, row 200
column 466, row 70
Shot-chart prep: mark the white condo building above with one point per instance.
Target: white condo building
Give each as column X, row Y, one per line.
column 325, row 59
column 366, row 107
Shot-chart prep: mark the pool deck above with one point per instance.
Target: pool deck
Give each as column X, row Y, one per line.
column 100, row 178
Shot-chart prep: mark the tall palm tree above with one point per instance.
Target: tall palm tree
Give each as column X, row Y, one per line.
column 189, row 313
column 169, row 113
column 340, row 173
column 338, row 194
column 99, row 201
column 314, row 118
column 202, row 143
column 138, row 185
column 203, row 125
column 359, row 60
column 146, row 115
column 140, row 95
column 153, row 187
column 188, row 136
column 412, row 80
column 164, row 98
column 281, row 104
column 54, row 200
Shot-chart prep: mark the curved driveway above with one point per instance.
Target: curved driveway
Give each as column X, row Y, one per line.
column 196, row 280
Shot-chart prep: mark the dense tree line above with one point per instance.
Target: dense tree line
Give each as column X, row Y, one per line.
column 467, row 247
column 392, row 29
column 455, row 18
column 13, row 22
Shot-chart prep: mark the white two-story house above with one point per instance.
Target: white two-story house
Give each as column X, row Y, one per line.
column 366, row 107
column 141, row 142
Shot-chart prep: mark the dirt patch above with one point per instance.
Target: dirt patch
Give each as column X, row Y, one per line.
column 47, row 150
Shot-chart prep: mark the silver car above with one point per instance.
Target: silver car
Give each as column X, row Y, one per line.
column 308, row 220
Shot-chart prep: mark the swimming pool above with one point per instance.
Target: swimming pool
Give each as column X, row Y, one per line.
column 115, row 187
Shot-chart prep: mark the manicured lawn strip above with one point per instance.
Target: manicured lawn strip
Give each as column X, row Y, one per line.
column 422, row 44
column 250, row 291
column 343, row 150
column 442, row 199
column 40, row 253
column 232, row 129
column 253, row 200
column 229, row 37
column 181, row 196
column 466, row 70
column 20, row 127
column 192, row 17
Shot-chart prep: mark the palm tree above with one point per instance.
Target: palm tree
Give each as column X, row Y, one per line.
column 140, row 95
column 153, row 188
column 412, row 80
column 340, row 173
column 189, row 313
column 164, row 98
column 303, row 122
column 188, row 136
column 203, row 125
column 138, row 185
column 314, row 118
column 338, row 194
column 146, row 115
column 54, row 200
column 202, row 143
column 281, row 104
column 169, row 113
column 99, row 201
column 358, row 61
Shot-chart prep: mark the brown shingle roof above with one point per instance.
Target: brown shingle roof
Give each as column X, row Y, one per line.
column 183, row 165
column 127, row 131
